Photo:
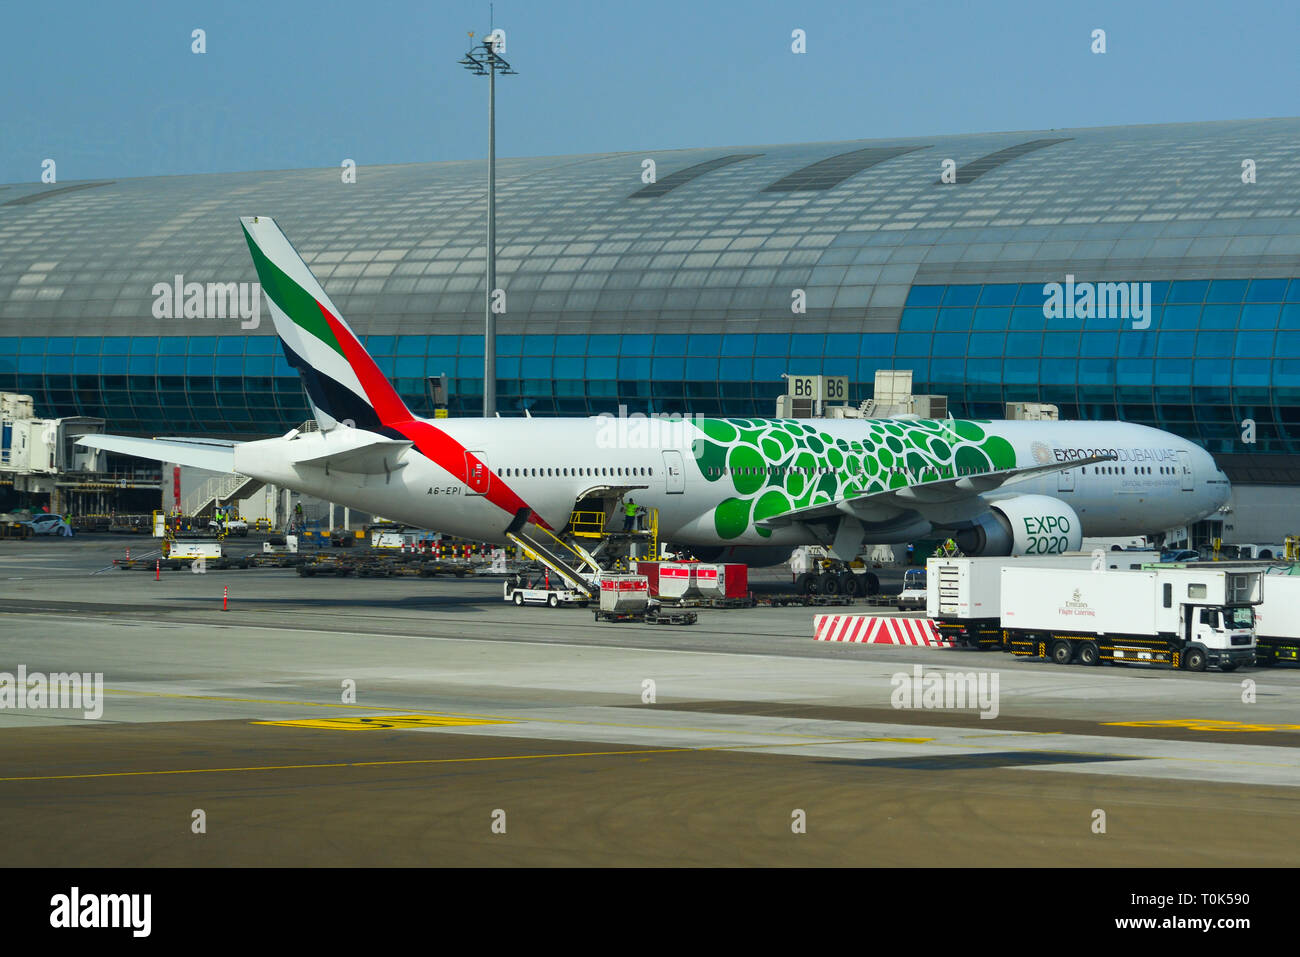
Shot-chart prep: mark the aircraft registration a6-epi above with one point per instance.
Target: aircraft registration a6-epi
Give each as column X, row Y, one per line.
column 740, row 488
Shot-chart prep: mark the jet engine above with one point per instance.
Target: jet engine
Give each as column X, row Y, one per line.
column 1023, row 525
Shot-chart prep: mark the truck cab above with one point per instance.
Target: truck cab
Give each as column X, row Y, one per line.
column 1224, row 635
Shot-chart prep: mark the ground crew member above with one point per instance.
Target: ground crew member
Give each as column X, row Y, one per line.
column 629, row 515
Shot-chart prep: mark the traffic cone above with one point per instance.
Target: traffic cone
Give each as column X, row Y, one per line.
column 225, row 598
column 157, row 570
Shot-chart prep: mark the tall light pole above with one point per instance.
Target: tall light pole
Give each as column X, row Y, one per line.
column 484, row 59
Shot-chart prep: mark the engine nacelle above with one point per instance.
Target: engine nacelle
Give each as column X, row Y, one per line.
column 1023, row 525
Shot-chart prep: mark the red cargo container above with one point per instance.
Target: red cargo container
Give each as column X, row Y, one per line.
column 651, row 571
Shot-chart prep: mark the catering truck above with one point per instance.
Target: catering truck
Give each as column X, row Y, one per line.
column 1181, row 617
column 1277, row 621
column 963, row 594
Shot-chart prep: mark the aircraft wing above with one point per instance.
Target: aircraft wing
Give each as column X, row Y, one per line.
column 216, row 457
column 889, row 502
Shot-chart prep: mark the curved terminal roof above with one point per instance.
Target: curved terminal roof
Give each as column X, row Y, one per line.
column 720, row 239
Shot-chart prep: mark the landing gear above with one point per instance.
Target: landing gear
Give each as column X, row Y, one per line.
column 837, row 579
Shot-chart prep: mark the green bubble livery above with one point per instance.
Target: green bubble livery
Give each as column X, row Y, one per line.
column 772, row 466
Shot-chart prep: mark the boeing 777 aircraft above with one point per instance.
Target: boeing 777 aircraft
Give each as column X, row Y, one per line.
column 746, row 489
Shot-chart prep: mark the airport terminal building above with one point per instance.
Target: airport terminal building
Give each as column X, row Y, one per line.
column 695, row 289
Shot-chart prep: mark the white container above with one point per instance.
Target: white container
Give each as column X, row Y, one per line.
column 677, row 580
column 624, row 593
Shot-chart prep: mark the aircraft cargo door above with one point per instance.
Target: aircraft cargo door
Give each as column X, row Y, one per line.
column 674, row 474
column 477, row 474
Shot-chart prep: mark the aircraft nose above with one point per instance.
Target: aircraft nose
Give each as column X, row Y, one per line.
column 1223, row 488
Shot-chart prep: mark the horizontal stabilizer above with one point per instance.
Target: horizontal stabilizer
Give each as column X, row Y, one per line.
column 380, row 455
column 199, row 455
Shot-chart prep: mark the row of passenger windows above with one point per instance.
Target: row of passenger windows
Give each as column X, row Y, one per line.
column 854, row 469
column 928, row 470
column 637, row 472
column 1137, row 470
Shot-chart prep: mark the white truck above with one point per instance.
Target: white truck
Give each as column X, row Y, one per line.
column 1182, row 617
column 1277, row 621
column 962, row 595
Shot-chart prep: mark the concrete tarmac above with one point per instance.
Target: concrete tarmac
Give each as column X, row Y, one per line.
column 411, row 721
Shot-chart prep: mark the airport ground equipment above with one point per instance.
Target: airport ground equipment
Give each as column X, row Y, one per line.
column 1277, row 621
column 962, row 595
column 719, row 584
column 914, row 591
column 523, row 592
column 781, row 601
column 187, row 555
column 569, row 560
column 596, row 529
column 1188, row 618
column 192, row 548
column 627, row 598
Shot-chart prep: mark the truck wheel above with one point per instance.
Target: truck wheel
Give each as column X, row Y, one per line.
column 1089, row 653
column 828, row 583
column 806, row 584
column 850, row 585
column 1062, row 653
column 519, row 598
column 870, row 584
column 553, row 601
column 1194, row 659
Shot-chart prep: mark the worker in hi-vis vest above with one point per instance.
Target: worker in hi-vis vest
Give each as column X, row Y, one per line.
column 629, row 515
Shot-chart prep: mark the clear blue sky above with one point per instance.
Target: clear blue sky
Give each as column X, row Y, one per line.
column 112, row 89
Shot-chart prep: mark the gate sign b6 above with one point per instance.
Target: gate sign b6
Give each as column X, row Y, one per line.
column 819, row 388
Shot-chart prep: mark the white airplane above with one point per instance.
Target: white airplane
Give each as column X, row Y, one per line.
column 736, row 488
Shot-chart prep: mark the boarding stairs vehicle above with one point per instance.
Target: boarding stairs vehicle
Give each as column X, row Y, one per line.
column 568, row 560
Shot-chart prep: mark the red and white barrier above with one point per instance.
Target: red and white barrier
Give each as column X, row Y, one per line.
column 873, row 630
